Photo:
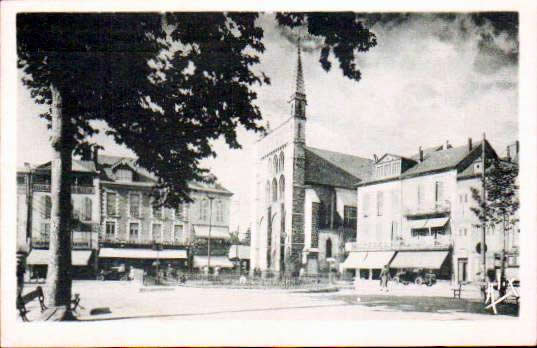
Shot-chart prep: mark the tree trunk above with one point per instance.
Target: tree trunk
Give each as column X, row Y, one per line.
column 59, row 266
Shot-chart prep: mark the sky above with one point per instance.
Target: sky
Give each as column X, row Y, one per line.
column 429, row 80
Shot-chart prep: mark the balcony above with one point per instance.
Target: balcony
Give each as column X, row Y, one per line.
column 112, row 241
column 76, row 243
column 76, row 189
column 425, row 243
column 436, row 210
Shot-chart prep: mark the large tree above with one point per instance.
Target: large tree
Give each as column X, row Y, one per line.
column 501, row 203
column 166, row 85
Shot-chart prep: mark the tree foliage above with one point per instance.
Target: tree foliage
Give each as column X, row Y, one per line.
column 166, row 85
column 502, row 202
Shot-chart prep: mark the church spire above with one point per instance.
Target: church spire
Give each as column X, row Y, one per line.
column 299, row 98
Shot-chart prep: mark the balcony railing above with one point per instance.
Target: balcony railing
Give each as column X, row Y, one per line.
column 76, row 243
column 437, row 209
column 441, row 243
column 115, row 240
column 74, row 189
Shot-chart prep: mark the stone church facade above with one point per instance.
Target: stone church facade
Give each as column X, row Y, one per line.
column 305, row 206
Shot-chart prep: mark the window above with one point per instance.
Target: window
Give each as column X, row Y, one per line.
column 365, row 204
column 395, row 168
column 178, row 233
column 46, row 207
column 380, row 203
column 111, row 203
column 465, row 231
column 134, row 228
column 87, row 209
column 420, row 232
column 281, row 161
column 282, row 187
column 275, row 164
column 21, row 179
column 219, row 211
column 180, row 212
column 349, row 216
column 204, row 207
column 110, row 229
column 328, row 248
column 156, row 232
column 45, row 230
column 419, row 195
column 134, row 205
column 157, row 212
column 124, row 175
column 274, row 190
column 439, row 191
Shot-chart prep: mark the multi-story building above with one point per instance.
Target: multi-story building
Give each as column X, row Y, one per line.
column 34, row 215
column 305, row 208
column 415, row 213
column 117, row 221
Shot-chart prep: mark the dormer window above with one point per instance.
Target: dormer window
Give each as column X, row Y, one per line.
column 387, row 167
column 124, row 175
column 478, row 167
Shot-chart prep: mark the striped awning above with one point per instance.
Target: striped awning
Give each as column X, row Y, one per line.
column 419, row 259
column 367, row 259
column 428, row 223
column 131, row 253
column 216, row 261
column 241, row 252
column 41, row 257
column 217, row 232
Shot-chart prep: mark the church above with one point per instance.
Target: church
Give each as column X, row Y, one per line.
column 305, row 201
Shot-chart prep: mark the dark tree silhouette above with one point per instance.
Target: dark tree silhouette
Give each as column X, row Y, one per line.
column 165, row 85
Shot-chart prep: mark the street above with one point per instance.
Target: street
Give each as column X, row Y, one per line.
column 120, row 300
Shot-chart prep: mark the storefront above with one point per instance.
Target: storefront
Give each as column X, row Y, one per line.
column 139, row 258
column 367, row 263
column 37, row 262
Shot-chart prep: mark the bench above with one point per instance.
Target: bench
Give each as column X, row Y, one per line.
column 46, row 313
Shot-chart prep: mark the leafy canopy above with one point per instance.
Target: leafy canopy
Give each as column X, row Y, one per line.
column 166, row 85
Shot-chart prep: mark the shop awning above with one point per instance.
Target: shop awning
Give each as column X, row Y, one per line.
column 241, row 252
column 217, row 232
column 216, row 261
column 40, row 257
column 131, row 253
column 419, row 259
column 368, row 259
column 428, row 223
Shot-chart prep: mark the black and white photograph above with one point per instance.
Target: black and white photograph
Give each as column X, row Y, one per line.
column 204, row 176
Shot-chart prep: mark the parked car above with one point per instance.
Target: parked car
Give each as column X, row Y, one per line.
column 417, row 276
column 115, row 273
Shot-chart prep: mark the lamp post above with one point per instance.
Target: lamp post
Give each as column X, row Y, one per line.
column 211, row 198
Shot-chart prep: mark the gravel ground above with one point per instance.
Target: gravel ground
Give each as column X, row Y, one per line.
column 119, row 300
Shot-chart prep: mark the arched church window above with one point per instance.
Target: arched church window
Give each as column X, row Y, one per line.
column 275, row 161
column 267, row 192
column 274, row 190
column 328, row 248
column 281, row 161
column 282, row 187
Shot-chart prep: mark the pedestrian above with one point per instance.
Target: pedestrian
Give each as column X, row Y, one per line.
column 384, row 276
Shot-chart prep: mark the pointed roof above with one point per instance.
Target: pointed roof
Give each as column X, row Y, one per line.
column 300, row 88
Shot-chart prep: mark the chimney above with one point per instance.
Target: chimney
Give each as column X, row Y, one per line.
column 421, row 155
column 517, row 146
column 375, row 157
column 508, row 153
column 27, row 165
column 469, row 144
column 448, row 145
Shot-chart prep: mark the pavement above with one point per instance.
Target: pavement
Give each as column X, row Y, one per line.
column 121, row 300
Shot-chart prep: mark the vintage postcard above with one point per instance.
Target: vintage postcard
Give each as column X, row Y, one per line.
column 249, row 175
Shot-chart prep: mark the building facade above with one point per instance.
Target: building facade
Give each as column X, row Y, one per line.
column 117, row 220
column 415, row 213
column 305, row 206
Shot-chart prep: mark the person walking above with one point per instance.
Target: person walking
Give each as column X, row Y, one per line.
column 384, row 277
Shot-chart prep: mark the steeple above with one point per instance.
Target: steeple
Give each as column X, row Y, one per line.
column 299, row 98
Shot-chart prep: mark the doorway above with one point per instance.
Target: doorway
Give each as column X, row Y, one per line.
column 462, row 269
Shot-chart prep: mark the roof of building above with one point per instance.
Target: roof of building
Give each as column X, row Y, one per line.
column 440, row 159
column 334, row 168
column 78, row 166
